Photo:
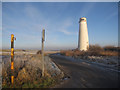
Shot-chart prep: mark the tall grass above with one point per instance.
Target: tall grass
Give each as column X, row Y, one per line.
column 28, row 72
column 94, row 50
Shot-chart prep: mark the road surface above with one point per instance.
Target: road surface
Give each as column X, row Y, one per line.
column 84, row 75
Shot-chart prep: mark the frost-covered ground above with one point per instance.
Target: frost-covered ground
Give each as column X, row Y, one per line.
column 19, row 52
column 28, row 67
column 105, row 61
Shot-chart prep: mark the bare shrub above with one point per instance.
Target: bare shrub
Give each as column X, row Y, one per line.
column 94, row 50
column 109, row 53
column 62, row 52
column 67, row 53
column 39, row 52
column 79, row 53
column 110, row 48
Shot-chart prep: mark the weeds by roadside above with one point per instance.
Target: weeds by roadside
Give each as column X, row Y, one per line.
column 28, row 72
column 106, row 55
column 94, row 50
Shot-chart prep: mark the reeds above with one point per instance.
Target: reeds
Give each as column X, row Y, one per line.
column 94, row 50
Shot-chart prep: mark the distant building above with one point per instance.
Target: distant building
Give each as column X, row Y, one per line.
column 83, row 42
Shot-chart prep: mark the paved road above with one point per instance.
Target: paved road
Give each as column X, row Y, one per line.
column 84, row 75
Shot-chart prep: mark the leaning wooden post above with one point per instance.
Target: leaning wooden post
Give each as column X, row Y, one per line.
column 43, row 39
column 12, row 59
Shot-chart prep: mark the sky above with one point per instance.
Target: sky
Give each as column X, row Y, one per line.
column 60, row 0
column 61, row 23
column 0, row 25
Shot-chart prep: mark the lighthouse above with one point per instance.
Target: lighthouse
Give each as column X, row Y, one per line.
column 83, row 42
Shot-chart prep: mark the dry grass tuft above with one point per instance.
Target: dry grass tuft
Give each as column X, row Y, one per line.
column 109, row 53
column 94, row 50
column 28, row 72
column 111, row 48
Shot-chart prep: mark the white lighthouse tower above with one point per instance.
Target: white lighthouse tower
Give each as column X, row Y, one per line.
column 83, row 42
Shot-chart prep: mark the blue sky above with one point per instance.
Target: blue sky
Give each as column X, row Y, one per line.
column 0, row 25
column 60, row 20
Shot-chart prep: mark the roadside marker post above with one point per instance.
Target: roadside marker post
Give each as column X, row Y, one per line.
column 12, row 58
column 43, row 39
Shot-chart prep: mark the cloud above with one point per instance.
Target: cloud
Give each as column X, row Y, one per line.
column 66, row 32
column 42, row 22
column 110, row 16
column 27, row 29
column 65, row 25
column 36, row 21
column 87, row 9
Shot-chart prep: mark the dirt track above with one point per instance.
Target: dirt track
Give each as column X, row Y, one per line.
column 84, row 75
